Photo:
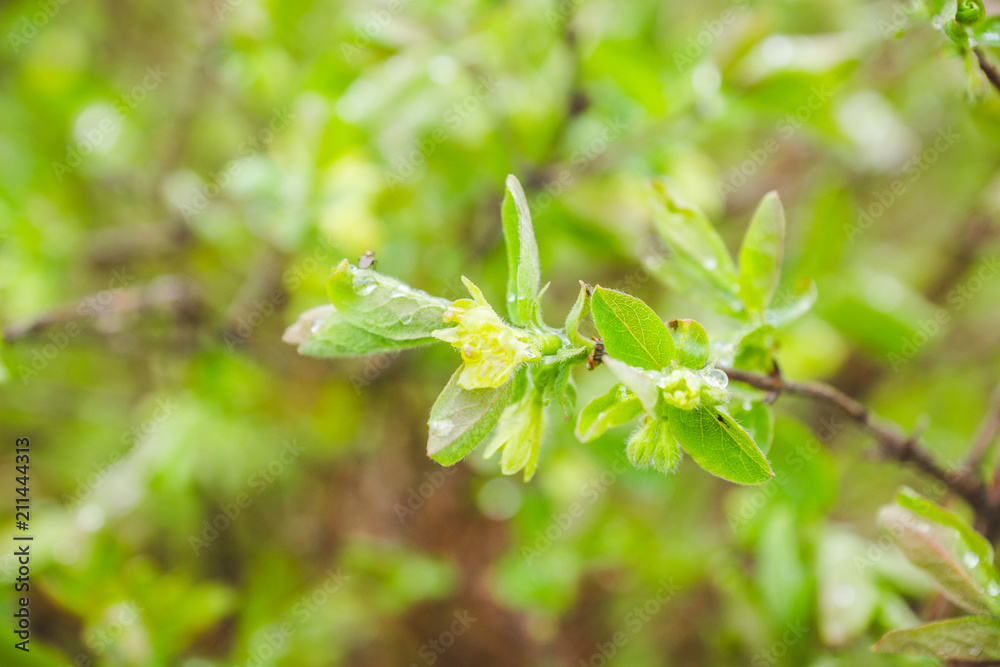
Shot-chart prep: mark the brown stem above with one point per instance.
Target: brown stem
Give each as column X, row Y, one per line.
column 986, row 433
column 891, row 439
column 988, row 69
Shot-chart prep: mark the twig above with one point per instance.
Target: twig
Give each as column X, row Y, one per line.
column 893, row 442
column 988, row 69
column 986, row 433
column 163, row 292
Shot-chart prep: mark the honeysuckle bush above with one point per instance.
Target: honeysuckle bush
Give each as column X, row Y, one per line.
column 512, row 371
column 668, row 381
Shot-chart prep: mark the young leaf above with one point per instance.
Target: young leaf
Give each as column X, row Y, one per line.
column 968, row 639
column 523, row 272
column 700, row 264
column 614, row 408
column 717, row 443
column 323, row 332
column 576, row 314
column 461, row 418
column 939, row 542
column 519, row 433
column 384, row 306
column 789, row 306
column 631, row 331
column 638, row 382
column 565, row 390
column 760, row 255
column 691, row 342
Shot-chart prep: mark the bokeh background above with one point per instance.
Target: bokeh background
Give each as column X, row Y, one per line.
column 178, row 179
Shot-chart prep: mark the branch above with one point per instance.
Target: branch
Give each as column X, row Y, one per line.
column 166, row 291
column 892, row 441
column 988, row 69
column 986, row 433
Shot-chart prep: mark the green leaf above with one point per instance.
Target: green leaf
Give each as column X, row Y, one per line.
column 523, row 271
column 323, row 332
column 691, row 342
column 760, row 255
column 943, row 545
column 631, row 331
column 755, row 351
column 719, row 445
column 519, row 434
column 384, row 306
column 968, row 639
column 614, row 408
column 848, row 596
column 577, row 313
column 461, row 418
column 757, row 419
column 699, row 261
column 653, row 446
column 789, row 306
column 565, row 390
column 639, row 383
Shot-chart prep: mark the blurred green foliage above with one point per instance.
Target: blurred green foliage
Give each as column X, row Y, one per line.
column 178, row 180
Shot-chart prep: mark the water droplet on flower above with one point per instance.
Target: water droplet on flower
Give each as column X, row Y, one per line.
column 970, row 559
column 440, row 428
column 364, row 287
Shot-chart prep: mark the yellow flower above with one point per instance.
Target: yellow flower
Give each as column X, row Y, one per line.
column 491, row 349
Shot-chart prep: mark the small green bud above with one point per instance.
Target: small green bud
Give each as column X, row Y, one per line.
column 653, row 446
column 549, row 343
column 969, row 12
column 957, row 33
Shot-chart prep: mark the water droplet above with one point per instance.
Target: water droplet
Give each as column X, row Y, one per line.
column 511, row 298
column 364, row 289
column 747, row 405
column 718, row 378
column 970, row 559
column 710, row 263
column 315, row 326
column 440, row 428
column 993, row 588
column 844, row 595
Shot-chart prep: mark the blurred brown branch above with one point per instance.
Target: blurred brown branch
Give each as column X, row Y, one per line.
column 893, row 442
column 165, row 292
column 988, row 69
